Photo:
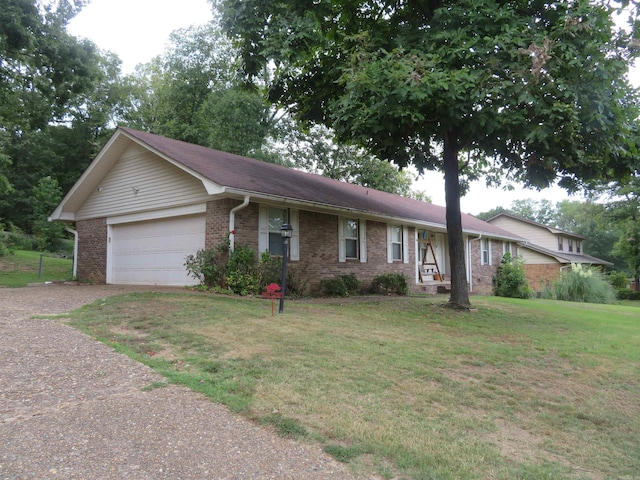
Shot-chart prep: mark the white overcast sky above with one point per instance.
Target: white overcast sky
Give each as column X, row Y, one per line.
column 137, row 30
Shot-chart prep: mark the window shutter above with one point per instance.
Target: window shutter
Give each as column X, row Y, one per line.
column 490, row 262
column 389, row 244
column 405, row 244
column 294, row 242
column 363, row 240
column 263, row 229
column 342, row 253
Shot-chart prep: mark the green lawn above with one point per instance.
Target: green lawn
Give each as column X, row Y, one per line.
column 402, row 387
column 22, row 268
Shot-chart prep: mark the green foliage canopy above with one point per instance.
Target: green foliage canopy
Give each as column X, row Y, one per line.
column 537, row 90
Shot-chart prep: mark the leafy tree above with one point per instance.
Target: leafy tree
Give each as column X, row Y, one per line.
column 626, row 210
column 541, row 211
column 493, row 212
column 316, row 151
column 594, row 222
column 234, row 120
column 45, row 197
column 44, row 70
column 535, row 89
column 59, row 152
column 57, row 95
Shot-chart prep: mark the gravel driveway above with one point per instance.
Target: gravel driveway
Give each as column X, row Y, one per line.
column 72, row 408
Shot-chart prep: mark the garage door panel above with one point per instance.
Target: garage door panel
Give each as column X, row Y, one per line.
column 153, row 253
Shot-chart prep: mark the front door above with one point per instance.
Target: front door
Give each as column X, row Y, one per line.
column 432, row 257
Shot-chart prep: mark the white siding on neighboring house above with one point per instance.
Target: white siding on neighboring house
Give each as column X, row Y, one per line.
column 141, row 181
column 529, row 256
column 540, row 236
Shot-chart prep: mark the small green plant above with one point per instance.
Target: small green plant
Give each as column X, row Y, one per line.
column 242, row 284
column 153, row 386
column 583, row 284
column 627, row 294
column 390, row 283
column 342, row 454
column 333, row 287
column 242, row 271
column 351, row 283
column 285, row 426
column 511, row 280
column 208, row 266
column 340, row 286
column 269, row 270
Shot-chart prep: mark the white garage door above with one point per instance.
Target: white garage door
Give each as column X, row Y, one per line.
column 153, row 253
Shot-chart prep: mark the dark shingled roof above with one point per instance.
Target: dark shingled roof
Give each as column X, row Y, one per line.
column 254, row 176
column 563, row 257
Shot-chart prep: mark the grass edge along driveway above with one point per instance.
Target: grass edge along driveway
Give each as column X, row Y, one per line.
column 403, row 387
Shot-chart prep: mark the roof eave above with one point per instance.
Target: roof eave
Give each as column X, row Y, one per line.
column 326, row 207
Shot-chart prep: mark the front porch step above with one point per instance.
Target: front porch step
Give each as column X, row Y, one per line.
column 434, row 287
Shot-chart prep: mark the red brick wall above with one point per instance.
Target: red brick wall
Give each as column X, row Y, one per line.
column 217, row 223
column 541, row 275
column 318, row 244
column 92, row 250
column 482, row 275
column 319, row 252
column 318, row 247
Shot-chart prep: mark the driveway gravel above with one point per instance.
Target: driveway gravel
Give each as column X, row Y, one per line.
column 72, row 408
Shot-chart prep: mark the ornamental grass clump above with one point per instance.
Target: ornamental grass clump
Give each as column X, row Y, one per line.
column 583, row 284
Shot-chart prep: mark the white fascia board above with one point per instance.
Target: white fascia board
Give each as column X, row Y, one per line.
column 158, row 214
column 492, row 235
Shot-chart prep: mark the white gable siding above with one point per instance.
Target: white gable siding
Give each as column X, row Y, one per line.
column 534, row 234
column 531, row 257
column 141, row 181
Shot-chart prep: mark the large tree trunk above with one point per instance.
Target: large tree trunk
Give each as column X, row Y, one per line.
column 459, row 288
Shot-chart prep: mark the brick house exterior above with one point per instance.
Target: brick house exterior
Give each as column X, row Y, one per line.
column 546, row 250
column 146, row 202
column 92, row 250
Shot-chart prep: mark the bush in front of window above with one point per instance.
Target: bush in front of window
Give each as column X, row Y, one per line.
column 340, row 286
column 511, row 280
column 390, row 283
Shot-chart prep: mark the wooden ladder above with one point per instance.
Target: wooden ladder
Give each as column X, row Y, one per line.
column 434, row 263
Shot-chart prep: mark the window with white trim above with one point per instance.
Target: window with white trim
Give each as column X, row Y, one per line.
column 506, row 248
column 352, row 239
column 277, row 218
column 396, row 243
column 578, row 245
column 560, row 244
column 485, row 251
column 570, row 245
column 270, row 221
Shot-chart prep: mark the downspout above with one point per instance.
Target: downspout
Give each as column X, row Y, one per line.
column 232, row 221
column 75, row 250
column 479, row 237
